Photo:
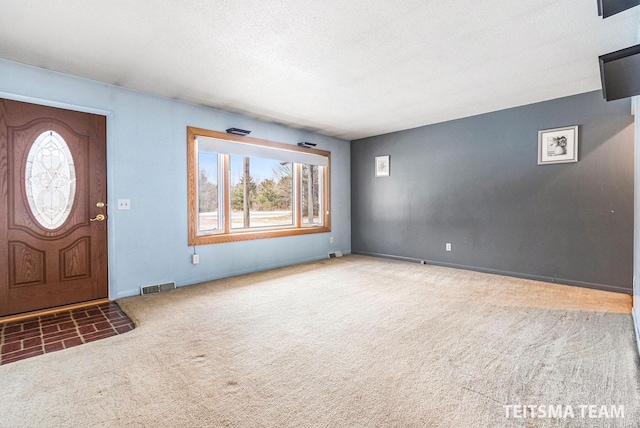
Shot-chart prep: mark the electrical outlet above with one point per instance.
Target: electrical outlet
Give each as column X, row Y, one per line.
column 195, row 259
column 448, row 246
column 124, row 204
column 331, row 240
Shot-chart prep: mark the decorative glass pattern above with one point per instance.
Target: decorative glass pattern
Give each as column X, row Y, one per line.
column 50, row 180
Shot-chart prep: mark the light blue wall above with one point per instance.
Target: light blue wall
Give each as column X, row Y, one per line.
column 146, row 163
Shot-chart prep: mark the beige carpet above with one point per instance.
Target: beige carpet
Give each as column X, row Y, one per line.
column 351, row 342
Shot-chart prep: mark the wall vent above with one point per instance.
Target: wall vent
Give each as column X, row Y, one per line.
column 336, row 254
column 148, row 289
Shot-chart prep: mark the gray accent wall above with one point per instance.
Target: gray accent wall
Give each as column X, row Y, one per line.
column 475, row 183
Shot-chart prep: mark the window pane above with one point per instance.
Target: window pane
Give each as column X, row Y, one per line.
column 261, row 192
column 312, row 195
column 208, row 198
column 50, row 180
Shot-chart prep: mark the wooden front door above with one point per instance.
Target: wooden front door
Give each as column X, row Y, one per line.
column 53, row 229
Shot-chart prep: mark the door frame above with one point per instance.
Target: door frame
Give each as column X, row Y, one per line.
column 112, row 294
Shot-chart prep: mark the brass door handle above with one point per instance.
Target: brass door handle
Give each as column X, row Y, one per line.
column 99, row 217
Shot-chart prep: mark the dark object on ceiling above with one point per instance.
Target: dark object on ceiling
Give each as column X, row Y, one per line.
column 620, row 73
column 606, row 8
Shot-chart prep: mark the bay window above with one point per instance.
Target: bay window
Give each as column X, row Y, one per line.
column 243, row 188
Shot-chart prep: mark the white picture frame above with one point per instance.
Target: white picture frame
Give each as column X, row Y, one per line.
column 558, row 145
column 382, row 166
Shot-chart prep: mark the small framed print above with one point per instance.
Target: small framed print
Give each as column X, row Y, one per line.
column 559, row 145
column 382, row 166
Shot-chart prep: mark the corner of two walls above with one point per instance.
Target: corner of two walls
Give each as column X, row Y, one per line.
column 636, row 231
column 475, row 183
column 636, row 222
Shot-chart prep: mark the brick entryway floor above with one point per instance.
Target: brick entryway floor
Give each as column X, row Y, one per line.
column 61, row 330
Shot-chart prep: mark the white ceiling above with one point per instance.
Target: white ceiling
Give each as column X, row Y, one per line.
column 344, row 68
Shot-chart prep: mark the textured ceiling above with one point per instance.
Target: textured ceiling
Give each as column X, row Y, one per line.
column 345, row 68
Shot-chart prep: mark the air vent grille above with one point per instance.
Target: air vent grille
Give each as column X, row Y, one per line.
column 149, row 289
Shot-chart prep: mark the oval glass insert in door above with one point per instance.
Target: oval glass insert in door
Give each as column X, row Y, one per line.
column 50, row 180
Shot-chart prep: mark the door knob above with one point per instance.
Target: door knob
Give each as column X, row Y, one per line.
column 99, row 217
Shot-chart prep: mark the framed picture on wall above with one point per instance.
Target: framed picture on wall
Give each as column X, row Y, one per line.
column 382, row 166
column 559, row 145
